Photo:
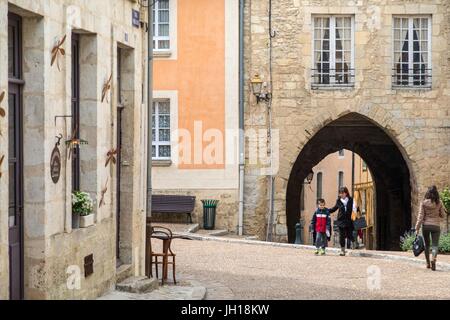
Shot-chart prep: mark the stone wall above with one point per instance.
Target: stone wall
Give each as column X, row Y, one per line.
column 52, row 249
column 417, row 120
column 227, row 208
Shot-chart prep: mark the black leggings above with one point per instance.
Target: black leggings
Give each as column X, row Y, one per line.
column 345, row 233
column 433, row 233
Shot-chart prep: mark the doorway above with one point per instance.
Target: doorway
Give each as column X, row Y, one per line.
column 120, row 107
column 390, row 171
column 15, row 157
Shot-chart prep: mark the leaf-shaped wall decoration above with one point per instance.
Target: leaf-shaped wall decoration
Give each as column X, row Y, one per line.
column 1, row 161
column 111, row 157
column 106, row 88
column 2, row 111
column 102, row 197
column 57, row 51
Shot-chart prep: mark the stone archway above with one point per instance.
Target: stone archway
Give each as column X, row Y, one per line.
column 391, row 172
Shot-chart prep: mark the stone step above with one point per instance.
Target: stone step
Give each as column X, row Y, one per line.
column 123, row 272
column 138, row 285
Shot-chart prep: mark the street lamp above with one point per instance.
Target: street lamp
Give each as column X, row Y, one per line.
column 257, row 89
column 309, row 177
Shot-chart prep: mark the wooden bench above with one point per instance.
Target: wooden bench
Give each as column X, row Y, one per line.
column 173, row 204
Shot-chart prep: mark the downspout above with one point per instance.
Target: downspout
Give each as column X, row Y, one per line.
column 149, row 133
column 270, row 222
column 149, row 107
column 241, row 118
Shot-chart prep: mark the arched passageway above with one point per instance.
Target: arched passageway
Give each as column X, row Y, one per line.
column 389, row 169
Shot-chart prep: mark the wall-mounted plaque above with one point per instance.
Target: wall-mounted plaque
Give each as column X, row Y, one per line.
column 55, row 162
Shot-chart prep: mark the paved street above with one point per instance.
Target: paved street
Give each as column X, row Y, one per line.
column 242, row 271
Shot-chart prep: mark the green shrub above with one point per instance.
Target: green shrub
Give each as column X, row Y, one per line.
column 444, row 243
column 445, row 198
column 406, row 242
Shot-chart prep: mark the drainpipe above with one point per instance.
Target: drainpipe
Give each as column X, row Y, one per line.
column 149, row 107
column 241, row 118
column 149, row 130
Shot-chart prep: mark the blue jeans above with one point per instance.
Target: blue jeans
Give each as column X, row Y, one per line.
column 321, row 240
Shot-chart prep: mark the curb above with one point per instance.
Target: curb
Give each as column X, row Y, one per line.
column 334, row 251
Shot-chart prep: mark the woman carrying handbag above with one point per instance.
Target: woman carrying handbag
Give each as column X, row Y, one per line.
column 430, row 214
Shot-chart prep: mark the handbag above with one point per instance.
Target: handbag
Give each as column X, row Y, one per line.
column 360, row 223
column 418, row 245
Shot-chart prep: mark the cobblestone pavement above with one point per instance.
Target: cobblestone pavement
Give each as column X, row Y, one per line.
column 243, row 271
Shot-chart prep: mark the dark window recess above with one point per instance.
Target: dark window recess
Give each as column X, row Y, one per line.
column 76, row 111
column 88, row 265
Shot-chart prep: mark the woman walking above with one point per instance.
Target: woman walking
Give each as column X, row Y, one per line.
column 344, row 222
column 430, row 213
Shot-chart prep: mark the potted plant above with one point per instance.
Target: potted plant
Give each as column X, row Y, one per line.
column 82, row 207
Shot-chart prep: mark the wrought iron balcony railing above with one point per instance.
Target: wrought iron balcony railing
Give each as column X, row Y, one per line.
column 412, row 78
column 321, row 78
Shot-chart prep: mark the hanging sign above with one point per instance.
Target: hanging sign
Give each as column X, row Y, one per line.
column 135, row 18
column 55, row 162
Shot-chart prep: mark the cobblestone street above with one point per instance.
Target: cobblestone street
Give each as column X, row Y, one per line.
column 244, row 271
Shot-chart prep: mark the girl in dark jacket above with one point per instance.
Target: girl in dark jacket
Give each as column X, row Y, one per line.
column 344, row 222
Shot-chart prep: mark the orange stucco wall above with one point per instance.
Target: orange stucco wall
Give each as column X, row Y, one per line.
column 198, row 74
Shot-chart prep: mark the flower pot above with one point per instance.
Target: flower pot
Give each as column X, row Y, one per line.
column 86, row 221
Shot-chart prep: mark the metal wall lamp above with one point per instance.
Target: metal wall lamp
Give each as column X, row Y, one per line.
column 257, row 89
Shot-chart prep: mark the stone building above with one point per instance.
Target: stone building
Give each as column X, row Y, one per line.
column 370, row 76
column 71, row 69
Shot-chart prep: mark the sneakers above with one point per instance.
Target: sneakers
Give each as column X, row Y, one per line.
column 342, row 253
column 319, row 252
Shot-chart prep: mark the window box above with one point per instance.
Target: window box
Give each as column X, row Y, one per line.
column 86, row 221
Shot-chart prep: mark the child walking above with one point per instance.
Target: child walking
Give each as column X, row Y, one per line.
column 321, row 226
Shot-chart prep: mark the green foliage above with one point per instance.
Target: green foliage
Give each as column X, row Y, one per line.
column 445, row 198
column 82, row 203
column 406, row 242
column 444, row 243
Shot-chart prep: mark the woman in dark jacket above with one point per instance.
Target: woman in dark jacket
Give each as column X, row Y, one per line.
column 344, row 222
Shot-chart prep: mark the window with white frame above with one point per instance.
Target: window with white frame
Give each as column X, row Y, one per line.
column 161, row 130
column 412, row 51
column 333, row 51
column 161, row 25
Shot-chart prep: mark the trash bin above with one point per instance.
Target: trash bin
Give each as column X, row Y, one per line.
column 209, row 213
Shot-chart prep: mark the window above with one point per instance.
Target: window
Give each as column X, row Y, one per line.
column 161, row 130
column 76, row 110
column 341, row 153
column 412, row 52
column 333, row 51
column 340, row 179
column 319, row 186
column 161, row 25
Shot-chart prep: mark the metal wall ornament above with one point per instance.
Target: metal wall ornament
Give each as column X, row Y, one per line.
column 111, row 157
column 2, row 111
column 57, row 51
column 102, row 196
column 1, row 161
column 106, row 88
column 55, row 161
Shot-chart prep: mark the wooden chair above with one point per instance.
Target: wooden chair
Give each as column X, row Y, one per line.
column 164, row 234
